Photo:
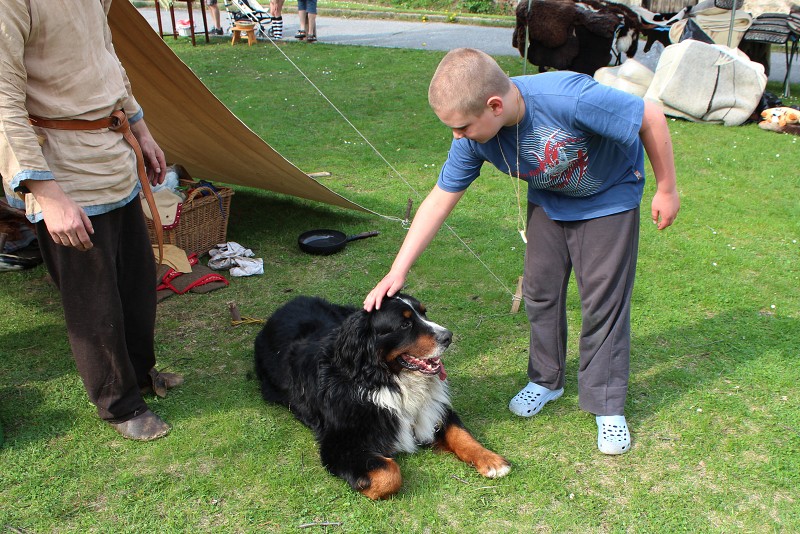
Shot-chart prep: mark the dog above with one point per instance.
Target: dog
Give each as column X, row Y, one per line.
column 370, row 385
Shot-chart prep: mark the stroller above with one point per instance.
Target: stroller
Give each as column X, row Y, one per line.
column 250, row 11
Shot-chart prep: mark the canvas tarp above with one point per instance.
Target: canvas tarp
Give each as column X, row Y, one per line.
column 192, row 126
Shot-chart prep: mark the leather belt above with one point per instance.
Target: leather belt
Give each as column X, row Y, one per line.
column 117, row 122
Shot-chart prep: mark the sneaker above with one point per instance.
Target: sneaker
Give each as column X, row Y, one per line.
column 613, row 436
column 219, row 31
column 532, row 398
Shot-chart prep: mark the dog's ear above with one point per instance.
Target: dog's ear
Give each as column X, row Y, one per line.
column 355, row 344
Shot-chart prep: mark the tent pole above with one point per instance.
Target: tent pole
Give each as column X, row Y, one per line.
column 527, row 40
column 733, row 17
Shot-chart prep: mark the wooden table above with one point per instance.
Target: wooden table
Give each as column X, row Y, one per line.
column 191, row 18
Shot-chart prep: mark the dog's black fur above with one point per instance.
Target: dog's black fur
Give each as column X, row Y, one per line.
column 370, row 386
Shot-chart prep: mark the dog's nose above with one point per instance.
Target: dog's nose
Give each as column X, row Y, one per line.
column 444, row 338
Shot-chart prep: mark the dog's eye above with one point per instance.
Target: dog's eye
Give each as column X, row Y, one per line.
column 406, row 324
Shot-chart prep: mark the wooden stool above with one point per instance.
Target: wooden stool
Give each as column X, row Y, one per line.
column 237, row 32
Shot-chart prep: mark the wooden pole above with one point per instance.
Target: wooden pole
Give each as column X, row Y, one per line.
column 515, row 302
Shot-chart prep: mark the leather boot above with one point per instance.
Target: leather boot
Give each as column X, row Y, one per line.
column 144, row 427
column 161, row 382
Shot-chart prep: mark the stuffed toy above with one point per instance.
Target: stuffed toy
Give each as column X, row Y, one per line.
column 781, row 119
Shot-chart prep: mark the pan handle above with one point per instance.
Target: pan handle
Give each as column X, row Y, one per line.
column 362, row 235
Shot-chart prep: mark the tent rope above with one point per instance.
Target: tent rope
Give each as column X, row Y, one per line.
column 392, row 167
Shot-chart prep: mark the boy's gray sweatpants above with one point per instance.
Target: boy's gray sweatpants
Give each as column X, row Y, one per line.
column 602, row 252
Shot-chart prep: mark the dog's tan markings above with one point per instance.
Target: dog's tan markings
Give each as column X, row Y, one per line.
column 384, row 481
column 461, row 443
column 392, row 356
column 407, row 314
column 423, row 347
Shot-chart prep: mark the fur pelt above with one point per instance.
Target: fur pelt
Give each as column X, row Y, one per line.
column 19, row 232
column 575, row 35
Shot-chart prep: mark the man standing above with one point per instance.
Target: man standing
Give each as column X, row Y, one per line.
column 65, row 106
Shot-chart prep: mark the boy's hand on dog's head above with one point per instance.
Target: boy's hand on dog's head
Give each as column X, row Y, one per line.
column 388, row 287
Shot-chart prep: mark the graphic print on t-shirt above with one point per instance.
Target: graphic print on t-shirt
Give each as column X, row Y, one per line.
column 557, row 162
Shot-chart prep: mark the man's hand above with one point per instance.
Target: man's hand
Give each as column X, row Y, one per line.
column 66, row 221
column 154, row 162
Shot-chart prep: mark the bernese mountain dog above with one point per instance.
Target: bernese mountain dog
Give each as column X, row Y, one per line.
column 370, row 386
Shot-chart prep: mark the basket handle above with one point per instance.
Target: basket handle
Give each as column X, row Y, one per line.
column 199, row 189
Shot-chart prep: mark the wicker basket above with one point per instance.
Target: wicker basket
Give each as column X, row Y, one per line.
column 203, row 221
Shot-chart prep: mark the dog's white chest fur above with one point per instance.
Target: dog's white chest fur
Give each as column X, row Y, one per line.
column 420, row 405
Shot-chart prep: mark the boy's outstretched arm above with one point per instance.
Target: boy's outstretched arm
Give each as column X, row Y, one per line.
column 429, row 218
column 658, row 145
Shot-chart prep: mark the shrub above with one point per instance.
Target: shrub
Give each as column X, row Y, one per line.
column 483, row 7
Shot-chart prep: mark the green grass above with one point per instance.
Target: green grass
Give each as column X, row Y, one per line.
column 713, row 401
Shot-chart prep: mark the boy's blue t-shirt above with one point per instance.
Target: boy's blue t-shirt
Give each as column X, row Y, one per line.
column 579, row 148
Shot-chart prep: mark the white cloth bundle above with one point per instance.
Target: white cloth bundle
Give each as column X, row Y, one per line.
column 238, row 259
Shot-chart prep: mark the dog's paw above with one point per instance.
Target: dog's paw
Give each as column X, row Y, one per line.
column 493, row 465
column 381, row 483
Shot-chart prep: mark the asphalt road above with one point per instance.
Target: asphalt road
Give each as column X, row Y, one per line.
column 381, row 33
column 427, row 35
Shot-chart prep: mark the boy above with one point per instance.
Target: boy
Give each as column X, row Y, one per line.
column 580, row 146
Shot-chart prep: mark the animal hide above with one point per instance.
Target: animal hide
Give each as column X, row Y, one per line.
column 574, row 35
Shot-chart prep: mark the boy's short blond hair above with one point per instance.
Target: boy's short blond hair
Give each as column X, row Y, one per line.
column 465, row 80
